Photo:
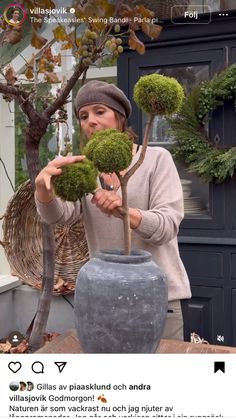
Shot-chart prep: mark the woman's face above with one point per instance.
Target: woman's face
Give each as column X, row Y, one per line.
column 96, row 117
column 15, row 15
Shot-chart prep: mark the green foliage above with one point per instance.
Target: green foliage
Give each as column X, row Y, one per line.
column 76, row 180
column 208, row 165
column 110, row 150
column 110, row 156
column 213, row 93
column 159, row 95
column 192, row 146
column 94, row 141
column 190, row 136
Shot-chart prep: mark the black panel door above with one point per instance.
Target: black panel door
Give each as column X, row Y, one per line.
column 234, row 317
column 203, row 314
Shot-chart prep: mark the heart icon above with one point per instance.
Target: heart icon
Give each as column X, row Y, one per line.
column 14, row 366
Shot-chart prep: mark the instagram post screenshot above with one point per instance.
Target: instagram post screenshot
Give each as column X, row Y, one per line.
column 117, row 209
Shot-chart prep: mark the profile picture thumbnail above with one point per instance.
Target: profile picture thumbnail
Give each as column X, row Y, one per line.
column 14, row 386
column 23, row 386
column 14, row 14
column 30, row 386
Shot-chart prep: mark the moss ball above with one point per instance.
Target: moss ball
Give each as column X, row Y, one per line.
column 76, row 180
column 158, row 95
column 91, row 145
column 110, row 150
column 102, row 135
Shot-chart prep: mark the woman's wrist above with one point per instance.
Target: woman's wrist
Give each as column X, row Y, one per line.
column 43, row 195
column 135, row 217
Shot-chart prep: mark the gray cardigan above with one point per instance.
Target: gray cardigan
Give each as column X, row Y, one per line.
column 154, row 189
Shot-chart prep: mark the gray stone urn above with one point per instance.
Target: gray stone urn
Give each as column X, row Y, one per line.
column 120, row 303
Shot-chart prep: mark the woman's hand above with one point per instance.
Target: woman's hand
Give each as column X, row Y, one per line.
column 108, row 202
column 111, row 204
column 43, row 182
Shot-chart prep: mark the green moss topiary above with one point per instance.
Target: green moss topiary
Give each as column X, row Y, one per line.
column 76, row 180
column 112, row 157
column 100, row 136
column 93, row 142
column 158, row 95
column 110, row 150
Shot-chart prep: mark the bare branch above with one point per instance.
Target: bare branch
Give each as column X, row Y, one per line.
column 22, row 97
column 84, row 77
column 143, row 151
column 61, row 99
column 125, row 210
column 13, row 90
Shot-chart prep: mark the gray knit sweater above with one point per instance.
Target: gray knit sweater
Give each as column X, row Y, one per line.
column 156, row 190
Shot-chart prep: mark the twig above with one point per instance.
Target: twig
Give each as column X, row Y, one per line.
column 84, row 77
column 62, row 97
column 148, row 128
column 125, row 210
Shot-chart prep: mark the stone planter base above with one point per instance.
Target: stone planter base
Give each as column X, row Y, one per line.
column 120, row 303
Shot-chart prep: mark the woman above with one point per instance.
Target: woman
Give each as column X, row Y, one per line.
column 22, row 386
column 154, row 194
column 15, row 17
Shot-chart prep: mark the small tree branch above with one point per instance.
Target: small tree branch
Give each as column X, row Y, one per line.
column 13, row 90
column 84, row 77
column 124, row 210
column 23, row 98
column 62, row 97
column 101, row 46
column 125, row 214
column 144, row 148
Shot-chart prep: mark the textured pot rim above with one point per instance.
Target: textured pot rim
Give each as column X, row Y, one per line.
column 117, row 255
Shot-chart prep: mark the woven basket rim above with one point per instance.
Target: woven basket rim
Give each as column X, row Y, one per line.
column 22, row 235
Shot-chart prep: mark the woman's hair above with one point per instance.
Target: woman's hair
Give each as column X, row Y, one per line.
column 122, row 125
column 15, row 10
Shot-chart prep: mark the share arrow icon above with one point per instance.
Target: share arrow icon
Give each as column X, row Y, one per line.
column 60, row 365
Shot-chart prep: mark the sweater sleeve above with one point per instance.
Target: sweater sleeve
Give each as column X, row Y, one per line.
column 58, row 211
column 160, row 223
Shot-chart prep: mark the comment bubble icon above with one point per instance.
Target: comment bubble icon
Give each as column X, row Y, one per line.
column 37, row 367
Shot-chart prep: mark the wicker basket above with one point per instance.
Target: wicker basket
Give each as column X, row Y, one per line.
column 162, row 8
column 22, row 239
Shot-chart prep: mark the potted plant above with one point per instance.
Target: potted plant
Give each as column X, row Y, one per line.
column 121, row 295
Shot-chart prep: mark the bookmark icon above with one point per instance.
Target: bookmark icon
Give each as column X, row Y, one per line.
column 219, row 366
